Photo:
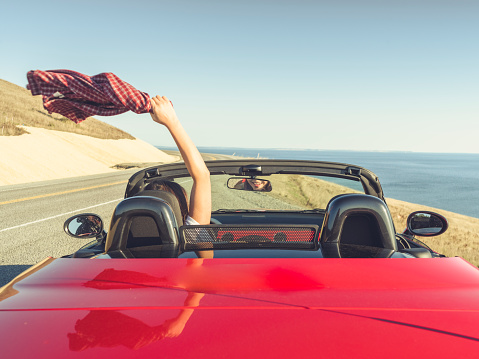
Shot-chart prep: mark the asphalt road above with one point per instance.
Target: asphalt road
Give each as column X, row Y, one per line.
column 32, row 216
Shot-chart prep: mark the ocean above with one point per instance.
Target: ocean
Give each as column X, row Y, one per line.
column 446, row 181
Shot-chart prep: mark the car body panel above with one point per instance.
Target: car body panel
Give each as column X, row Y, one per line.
column 246, row 307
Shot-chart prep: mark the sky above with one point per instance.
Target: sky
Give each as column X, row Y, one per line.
column 335, row 75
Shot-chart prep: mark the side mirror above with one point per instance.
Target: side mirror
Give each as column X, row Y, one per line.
column 87, row 225
column 249, row 184
column 426, row 224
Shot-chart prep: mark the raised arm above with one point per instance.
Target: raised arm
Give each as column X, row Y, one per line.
column 200, row 197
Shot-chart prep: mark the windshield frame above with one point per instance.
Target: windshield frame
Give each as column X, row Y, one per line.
column 259, row 167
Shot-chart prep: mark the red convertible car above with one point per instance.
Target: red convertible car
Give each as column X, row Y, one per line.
column 307, row 263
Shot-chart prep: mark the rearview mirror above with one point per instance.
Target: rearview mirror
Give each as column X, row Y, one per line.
column 426, row 224
column 87, row 225
column 249, row 184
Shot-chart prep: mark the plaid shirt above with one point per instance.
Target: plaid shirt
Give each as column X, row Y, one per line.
column 77, row 96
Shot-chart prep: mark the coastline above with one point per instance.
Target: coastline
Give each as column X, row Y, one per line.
column 410, row 176
column 48, row 154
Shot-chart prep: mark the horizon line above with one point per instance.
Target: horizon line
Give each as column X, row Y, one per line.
column 322, row 150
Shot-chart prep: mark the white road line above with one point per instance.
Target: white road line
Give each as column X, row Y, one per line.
column 59, row 215
column 21, row 186
column 75, row 211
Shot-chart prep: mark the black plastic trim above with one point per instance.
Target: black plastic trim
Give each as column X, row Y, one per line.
column 368, row 179
column 228, row 228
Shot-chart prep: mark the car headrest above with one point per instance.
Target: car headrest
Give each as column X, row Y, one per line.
column 128, row 219
column 358, row 219
column 169, row 198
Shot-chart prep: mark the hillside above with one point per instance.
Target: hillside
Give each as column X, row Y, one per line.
column 19, row 107
column 35, row 145
column 48, row 154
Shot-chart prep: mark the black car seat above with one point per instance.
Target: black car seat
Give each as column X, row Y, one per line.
column 169, row 198
column 357, row 220
column 143, row 230
column 145, row 225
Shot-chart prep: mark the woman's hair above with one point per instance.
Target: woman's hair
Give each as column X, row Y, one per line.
column 177, row 190
column 268, row 187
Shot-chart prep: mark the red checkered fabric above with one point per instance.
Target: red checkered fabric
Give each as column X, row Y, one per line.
column 77, row 96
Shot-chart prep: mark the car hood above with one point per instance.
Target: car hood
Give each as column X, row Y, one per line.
column 242, row 308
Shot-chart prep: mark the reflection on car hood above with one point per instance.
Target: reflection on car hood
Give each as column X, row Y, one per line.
column 243, row 307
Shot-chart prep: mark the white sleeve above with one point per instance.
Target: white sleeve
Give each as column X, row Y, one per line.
column 198, row 234
column 190, row 221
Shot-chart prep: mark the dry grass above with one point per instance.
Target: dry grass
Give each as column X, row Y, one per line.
column 18, row 107
column 461, row 239
column 306, row 191
column 9, row 128
column 127, row 166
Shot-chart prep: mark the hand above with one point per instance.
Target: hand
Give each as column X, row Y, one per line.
column 162, row 111
column 174, row 327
